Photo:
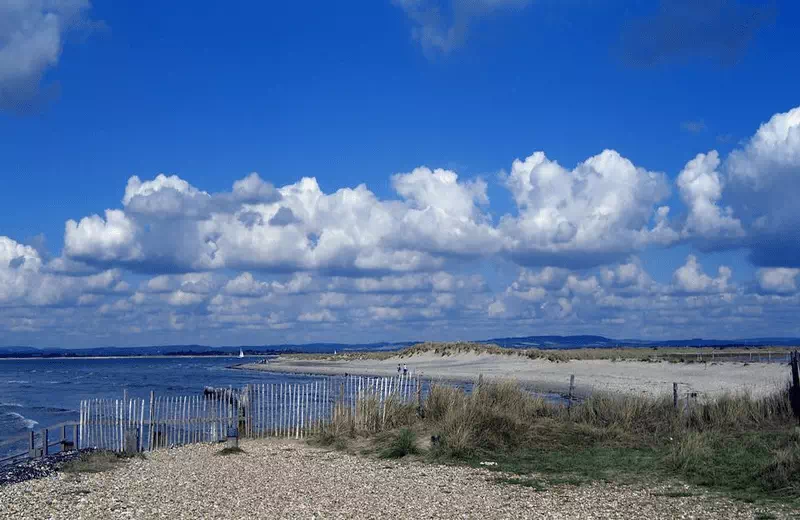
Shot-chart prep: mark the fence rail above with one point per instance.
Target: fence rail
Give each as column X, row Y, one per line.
column 64, row 435
column 289, row 410
column 749, row 356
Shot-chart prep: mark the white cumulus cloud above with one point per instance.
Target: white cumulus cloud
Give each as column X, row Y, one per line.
column 604, row 208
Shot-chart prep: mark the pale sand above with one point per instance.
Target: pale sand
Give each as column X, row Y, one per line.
column 617, row 376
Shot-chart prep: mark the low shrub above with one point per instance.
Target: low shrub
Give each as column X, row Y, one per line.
column 401, row 444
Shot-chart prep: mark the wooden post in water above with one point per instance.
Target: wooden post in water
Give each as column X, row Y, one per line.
column 675, row 395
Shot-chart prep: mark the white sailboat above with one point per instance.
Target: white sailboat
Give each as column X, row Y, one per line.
column 241, row 353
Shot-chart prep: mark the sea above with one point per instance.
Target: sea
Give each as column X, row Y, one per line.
column 39, row 393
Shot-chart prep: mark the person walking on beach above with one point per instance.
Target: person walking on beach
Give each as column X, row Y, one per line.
column 398, row 369
column 405, row 369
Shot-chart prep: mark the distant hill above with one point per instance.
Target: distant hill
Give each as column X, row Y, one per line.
column 565, row 342
column 542, row 342
column 195, row 350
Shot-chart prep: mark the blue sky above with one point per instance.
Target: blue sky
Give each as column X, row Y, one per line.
column 93, row 94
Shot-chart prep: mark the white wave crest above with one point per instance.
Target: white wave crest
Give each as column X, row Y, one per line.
column 29, row 423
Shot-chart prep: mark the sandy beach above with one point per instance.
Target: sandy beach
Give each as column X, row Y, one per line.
column 548, row 376
column 286, row 479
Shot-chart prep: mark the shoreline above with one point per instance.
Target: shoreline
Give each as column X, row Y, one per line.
column 627, row 377
column 161, row 356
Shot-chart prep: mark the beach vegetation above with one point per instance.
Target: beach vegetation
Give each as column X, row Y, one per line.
column 743, row 445
column 400, row 444
column 643, row 354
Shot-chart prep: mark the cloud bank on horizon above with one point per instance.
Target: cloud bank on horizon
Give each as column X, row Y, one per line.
column 296, row 262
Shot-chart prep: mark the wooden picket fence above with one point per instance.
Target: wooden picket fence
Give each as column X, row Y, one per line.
column 289, row 410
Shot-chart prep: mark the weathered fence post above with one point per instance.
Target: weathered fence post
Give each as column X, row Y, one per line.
column 571, row 390
column 794, row 390
column 125, row 406
column 420, row 409
column 76, row 437
column 141, row 426
column 45, row 442
column 232, row 439
column 65, row 444
column 32, row 445
column 675, row 395
column 131, row 443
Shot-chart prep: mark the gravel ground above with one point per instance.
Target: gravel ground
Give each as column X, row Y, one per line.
column 28, row 469
column 275, row 479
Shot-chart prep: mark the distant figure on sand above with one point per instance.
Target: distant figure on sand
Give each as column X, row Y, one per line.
column 405, row 369
column 398, row 369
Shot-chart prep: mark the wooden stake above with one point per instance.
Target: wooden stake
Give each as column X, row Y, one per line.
column 150, row 422
column 141, row 426
column 124, row 404
column 571, row 390
column 675, row 395
column 298, row 415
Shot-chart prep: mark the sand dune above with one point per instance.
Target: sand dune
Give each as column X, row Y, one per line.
column 617, row 376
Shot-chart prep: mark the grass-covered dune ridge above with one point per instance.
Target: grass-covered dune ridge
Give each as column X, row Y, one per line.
column 742, row 445
column 649, row 354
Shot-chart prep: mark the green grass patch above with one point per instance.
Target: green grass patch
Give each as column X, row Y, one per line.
column 400, row 444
